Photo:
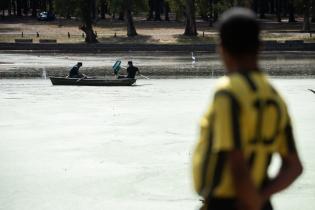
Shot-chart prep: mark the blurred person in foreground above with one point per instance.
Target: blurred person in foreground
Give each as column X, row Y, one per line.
column 245, row 125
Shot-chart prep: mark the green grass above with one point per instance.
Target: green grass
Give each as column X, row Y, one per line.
column 146, row 39
column 200, row 39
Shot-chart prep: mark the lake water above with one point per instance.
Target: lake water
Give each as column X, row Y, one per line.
column 121, row 147
column 150, row 63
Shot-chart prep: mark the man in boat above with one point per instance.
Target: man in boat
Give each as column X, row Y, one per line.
column 246, row 124
column 131, row 71
column 74, row 72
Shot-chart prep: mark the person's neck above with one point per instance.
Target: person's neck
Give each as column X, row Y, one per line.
column 243, row 65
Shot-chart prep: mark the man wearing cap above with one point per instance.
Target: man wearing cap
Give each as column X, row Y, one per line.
column 245, row 125
column 74, row 72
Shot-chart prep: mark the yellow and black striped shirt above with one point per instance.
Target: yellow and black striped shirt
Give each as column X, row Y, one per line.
column 247, row 114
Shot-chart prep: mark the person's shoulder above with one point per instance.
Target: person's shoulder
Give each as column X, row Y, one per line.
column 231, row 85
column 228, row 83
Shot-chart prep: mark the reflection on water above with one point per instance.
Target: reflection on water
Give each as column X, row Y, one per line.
column 92, row 147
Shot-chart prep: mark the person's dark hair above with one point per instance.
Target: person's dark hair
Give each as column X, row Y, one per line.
column 79, row 63
column 129, row 62
column 239, row 31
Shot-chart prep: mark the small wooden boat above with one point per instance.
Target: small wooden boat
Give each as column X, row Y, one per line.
column 92, row 81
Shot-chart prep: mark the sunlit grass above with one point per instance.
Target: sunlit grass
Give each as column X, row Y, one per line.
column 120, row 38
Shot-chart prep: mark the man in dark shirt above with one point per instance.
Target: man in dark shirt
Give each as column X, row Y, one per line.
column 132, row 70
column 74, row 72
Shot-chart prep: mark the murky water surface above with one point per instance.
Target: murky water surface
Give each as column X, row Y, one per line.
column 150, row 63
column 121, row 147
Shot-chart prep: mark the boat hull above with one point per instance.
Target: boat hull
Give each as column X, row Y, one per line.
column 92, row 81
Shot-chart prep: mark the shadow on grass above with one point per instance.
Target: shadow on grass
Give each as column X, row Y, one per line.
column 182, row 39
column 8, row 30
column 139, row 39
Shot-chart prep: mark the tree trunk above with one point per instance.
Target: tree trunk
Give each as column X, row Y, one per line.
column 210, row 12
column 10, row 8
column 285, row 5
column 43, row 5
column 25, row 7
column 68, row 11
column 151, row 9
column 90, row 36
column 14, row 8
column 278, row 10
column 272, row 6
column 103, row 8
column 51, row 5
column 190, row 28
column 313, row 11
column 131, row 30
column 34, row 8
column 121, row 15
column 306, row 22
column 157, row 9
column 167, row 11
column 262, row 8
column 85, row 13
column 255, row 5
column 19, row 8
column 291, row 11
column 93, row 9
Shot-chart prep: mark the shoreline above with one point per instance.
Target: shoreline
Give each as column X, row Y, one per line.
column 289, row 45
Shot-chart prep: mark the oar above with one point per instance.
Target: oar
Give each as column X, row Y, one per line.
column 144, row 76
column 81, row 79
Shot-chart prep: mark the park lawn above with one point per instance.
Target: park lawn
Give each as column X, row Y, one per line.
column 150, row 32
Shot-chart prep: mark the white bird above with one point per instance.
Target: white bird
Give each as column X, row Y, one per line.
column 193, row 58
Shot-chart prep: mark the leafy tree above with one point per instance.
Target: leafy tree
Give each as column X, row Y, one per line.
column 116, row 7
column 67, row 8
column 220, row 6
column 178, row 7
column 203, row 8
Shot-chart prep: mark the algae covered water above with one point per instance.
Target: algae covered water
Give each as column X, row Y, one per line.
column 121, row 147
